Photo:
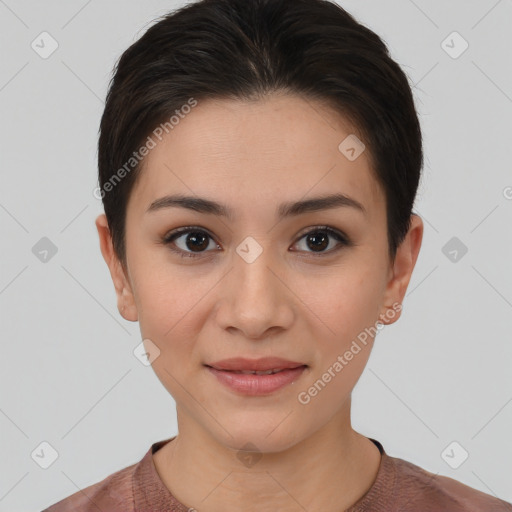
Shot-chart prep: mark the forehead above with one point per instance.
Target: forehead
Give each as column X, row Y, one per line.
column 251, row 152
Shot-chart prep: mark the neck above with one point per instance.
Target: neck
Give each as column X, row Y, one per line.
column 329, row 470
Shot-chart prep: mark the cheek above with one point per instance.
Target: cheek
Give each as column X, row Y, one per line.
column 170, row 315
column 349, row 306
column 166, row 295
column 344, row 353
column 346, row 303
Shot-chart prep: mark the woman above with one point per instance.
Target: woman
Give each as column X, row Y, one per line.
column 258, row 165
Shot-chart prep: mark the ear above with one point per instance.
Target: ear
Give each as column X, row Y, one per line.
column 401, row 270
column 125, row 298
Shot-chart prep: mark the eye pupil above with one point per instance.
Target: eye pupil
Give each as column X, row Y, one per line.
column 197, row 241
column 320, row 240
column 197, row 236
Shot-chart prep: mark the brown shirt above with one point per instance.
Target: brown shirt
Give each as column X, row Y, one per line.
column 400, row 486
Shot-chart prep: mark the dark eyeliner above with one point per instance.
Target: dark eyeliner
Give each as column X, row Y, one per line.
column 170, row 237
column 334, row 233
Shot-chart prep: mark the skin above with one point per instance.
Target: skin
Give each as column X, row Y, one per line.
column 291, row 302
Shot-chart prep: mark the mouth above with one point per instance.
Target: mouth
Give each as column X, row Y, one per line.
column 262, row 366
column 254, row 372
column 256, row 377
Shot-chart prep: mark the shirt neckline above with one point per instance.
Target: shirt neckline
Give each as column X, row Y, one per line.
column 149, row 491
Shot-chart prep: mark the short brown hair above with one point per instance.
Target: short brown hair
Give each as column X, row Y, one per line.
column 245, row 49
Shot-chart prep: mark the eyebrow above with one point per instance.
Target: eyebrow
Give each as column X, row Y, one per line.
column 207, row 206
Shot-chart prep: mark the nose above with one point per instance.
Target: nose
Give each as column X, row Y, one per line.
column 255, row 299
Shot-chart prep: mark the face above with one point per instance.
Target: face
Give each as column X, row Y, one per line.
column 261, row 278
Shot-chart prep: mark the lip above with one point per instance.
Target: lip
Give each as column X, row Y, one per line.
column 262, row 364
column 257, row 385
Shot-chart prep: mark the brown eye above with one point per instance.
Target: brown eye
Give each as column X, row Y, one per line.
column 189, row 241
column 196, row 240
column 319, row 240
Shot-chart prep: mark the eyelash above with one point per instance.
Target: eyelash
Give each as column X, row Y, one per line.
column 173, row 235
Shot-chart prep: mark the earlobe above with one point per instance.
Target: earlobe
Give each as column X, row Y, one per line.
column 390, row 314
column 125, row 299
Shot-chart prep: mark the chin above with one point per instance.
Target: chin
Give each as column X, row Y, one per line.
column 254, row 435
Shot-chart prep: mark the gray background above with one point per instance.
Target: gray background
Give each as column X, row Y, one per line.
column 68, row 375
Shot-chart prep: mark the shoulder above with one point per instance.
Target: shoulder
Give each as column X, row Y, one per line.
column 113, row 493
column 423, row 490
column 402, row 486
